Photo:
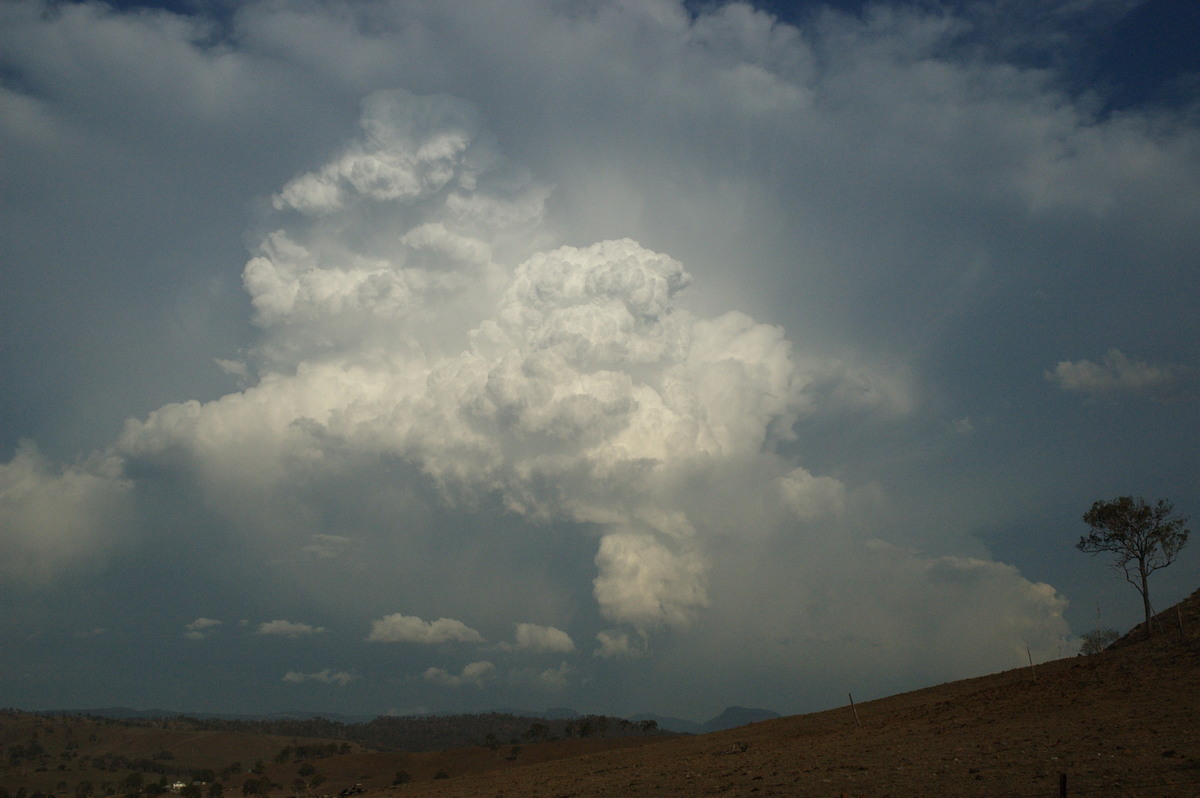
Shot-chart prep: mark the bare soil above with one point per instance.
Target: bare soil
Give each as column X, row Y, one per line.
column 1125, row 722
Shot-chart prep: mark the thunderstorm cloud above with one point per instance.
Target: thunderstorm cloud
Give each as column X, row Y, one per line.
column 661, row 352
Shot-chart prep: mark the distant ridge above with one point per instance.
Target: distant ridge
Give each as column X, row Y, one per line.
column 730, row 718
column 733, row 717
column 128, row 713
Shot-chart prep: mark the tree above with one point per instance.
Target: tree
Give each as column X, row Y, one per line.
column 1142, row 538
column 1097, row 640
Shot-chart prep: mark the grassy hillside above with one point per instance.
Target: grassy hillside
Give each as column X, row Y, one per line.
column 1125, row 721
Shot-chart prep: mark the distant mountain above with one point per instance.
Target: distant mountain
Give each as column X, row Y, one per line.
column 733, row 717
column 116, row 713
column 667, row 723
column 551, row 713
column 128, row 713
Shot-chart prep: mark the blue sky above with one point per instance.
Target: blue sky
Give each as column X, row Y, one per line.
column 398, row 357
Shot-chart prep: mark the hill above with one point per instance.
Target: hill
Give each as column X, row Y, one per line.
column 1125, row 721
column 1122, row 722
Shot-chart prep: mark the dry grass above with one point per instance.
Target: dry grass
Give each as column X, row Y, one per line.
column 1125, row 722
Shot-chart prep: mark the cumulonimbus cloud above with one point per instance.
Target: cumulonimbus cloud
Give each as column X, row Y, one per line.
column 417, row 308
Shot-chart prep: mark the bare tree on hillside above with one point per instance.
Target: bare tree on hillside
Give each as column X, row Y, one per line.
column 1142, row 538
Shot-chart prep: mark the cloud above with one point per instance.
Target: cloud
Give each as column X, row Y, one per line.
column 327, row 547
column 644, row 583
column 669, row 314
column 1118, row 374
column 615, row 643
column 288, row 629
column 327, row 676
column 399, row 628
column 200, row 628
column 398, row 159
column 59, row 519
column 540, row 639
column 556, row 679
column 582, row 393
column 474, row 674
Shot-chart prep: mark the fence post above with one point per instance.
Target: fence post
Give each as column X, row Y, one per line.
column 1062, row 785
column 856, row 721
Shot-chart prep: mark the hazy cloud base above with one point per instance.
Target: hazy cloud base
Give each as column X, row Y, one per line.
column 661, row 357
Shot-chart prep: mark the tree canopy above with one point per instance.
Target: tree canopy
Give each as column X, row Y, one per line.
column 1141, row 537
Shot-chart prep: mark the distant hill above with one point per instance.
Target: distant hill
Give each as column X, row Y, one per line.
column 1125, row 721
column 128, row 713
column 668, row 723
column 730, row 718
column 734, row 717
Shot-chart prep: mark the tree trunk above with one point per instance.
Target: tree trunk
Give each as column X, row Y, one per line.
column 1145, row 596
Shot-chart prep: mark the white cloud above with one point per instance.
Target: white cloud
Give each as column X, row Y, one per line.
column 811, row 497
column 327, row 547
column 644, row 583
column 556, row 679
column 200, row 628
column 474, row 674
column 540, row 639
column 616, row 643
column 399, row 628
column 59, row 519
column 1116, row 374
column 680, row 362
column 288, row 629
column 398, row 159
column 327, row 676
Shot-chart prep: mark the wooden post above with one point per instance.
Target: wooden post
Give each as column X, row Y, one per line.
column 1062, row 785
column 1032, row 669
column 856, row 721
column 1179, row 615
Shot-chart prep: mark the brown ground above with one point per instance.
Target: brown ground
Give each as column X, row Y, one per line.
column 1125, row 722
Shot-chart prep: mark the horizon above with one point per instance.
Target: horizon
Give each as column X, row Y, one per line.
column 649, row 357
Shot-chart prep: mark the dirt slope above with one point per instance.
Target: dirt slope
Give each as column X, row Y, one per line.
column 1125, row 722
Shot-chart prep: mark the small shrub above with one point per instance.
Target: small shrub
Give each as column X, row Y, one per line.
column 1097, row 640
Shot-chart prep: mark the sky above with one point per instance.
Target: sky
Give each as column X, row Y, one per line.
column 631, row 356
